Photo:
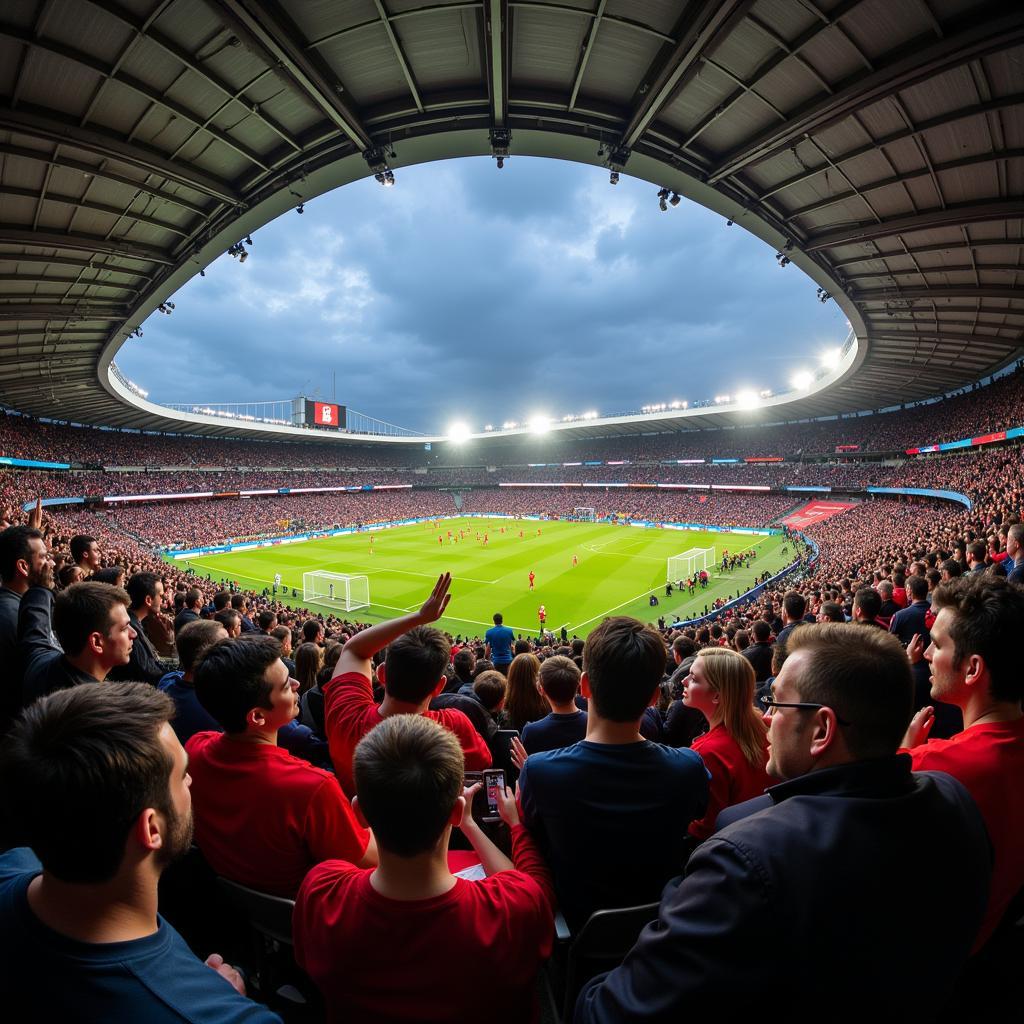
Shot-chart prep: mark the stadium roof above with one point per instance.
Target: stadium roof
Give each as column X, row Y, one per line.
column 879, row 145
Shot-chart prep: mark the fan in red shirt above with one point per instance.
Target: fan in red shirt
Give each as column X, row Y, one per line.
column 974, row 665
column 410, row 942
column 263, row 818
column 412, row 675
column 735, row 749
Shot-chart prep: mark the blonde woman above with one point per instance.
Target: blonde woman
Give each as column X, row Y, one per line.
column 524, row 701
column 735, row 747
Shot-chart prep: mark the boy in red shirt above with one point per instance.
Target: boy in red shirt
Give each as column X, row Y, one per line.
column 975, row 666
column 263, row 818
column 381, row 944
column 412, row 675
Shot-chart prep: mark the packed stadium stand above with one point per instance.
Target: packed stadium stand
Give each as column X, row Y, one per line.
column 221, row 803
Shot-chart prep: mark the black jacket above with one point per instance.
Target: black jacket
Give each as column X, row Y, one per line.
column 143, row 664
column 43, row 668
column 867, row 881
column 760, row 656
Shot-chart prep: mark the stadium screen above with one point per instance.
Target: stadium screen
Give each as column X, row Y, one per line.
column 325, row 414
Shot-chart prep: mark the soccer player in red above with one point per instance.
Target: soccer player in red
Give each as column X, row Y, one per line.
column 532, row 578
column 542, row 614
column 575, row 561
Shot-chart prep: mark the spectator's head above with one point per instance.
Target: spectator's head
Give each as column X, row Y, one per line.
column 522, row 646
column 91, row 623
column 976, row 553
column 283, row 635
column 761, row 631
column 523, row 701
column 830, row 611
column 239, row 603
column 559, row 680
column 682, row 647
column 498, row 619
column 85, row 552
column 245, row 685
column 312, row 631
column 193, row 639
column 972, row 655
column 112, row 574
column 408, row 774
column 24, row 559
column 146, row 591
column 194, row 598
column 950, row 569
column 489, row 689
column 96, row 780
column 623, row 663
column 867, row 604
column 68, row 574
column 309, row 659
column 885, row 589
column 1015, row 541
column 415, row 664
column 858, row 691
column 721, row 687
column 463, row 663
column 221, row 600
column 794, row 605
column 917, row 588
column 267, row 622
column 230, row 620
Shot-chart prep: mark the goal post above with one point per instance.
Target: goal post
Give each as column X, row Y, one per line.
column 683, row 566
column 346, row 591
column 584, row 515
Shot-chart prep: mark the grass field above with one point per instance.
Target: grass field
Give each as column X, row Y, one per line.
column 619, row 567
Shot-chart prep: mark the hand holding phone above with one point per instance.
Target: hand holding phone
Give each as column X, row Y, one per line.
column 494, row 785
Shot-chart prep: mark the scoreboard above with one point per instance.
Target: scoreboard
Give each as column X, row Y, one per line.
column 325, row 414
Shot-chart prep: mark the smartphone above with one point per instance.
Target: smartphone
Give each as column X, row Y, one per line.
column 494, row 786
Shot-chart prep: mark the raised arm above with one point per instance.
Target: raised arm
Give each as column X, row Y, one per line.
column 356, row 655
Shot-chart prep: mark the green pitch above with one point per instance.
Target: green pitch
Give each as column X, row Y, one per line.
column 618, row 568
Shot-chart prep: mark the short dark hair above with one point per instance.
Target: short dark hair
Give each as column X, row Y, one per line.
column 497, row 618
column 864, row 676
column 111, row 574
column 684, row 646
column 83, row 609
column 78, row 768
column 311, row 629
column 761, row 630
column 869, row 602
column 833, row 611
column 559, row 678
column 194, row 638
column 193, row 596
column 281, row 633
column 415, row 663
column 221, row 600
column 987, row 612
column 238, row 602
column 917, row 587
column 624, row 661
column 14, row 546
column 79, row 545
column 229, row 678
column 490, row 688
column 463, row 664
column 140, row 586
column 266, row 618
column 228, row 618
column 976, row 550
column 408, row 774
column 953, row 567
column 794, row 604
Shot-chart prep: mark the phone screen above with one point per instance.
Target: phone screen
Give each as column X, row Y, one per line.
column 494, row 784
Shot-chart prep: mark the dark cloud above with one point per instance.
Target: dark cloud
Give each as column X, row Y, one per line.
column 487, row 295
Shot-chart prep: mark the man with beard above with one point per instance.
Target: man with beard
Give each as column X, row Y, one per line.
column 97, row 786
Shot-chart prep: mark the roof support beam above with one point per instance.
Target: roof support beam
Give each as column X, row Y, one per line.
column 497, row 26
column 965, row 268
column 923, row 250
column 276, row 35
column 60, row 312
column 84, row 243
column 107, row 146
column 952, row 291
column 702, row 23
column 984, row 30
column 396, row 47
column 66, row 261
column 581, row 70
column 950, row 216
column 947, row 337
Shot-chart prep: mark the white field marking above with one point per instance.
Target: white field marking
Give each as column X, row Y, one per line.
column 364, row 571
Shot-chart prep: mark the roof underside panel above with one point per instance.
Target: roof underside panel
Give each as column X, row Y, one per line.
column 882, row 143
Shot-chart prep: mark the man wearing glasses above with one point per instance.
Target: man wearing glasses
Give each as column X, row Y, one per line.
column 864, row 880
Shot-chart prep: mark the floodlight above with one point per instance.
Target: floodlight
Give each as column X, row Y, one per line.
column 802, row 380
column 458, row 432
column 746, row 399
column 540, row 425
column 591, row 415
column 830, row 358
column 489, row 427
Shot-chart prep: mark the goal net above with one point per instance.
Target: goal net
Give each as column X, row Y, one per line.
column 339, row 588
column 584, row 515
column 682, row 567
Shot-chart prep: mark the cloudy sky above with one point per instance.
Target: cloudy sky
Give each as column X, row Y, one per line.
column 468, row 293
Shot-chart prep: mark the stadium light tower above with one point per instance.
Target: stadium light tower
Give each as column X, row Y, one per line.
column 746, row 399
column 540, row 425
column 458, row 433
column 802, row 381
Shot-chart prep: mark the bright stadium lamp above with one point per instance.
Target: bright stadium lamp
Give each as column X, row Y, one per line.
column 590, row 415
column 458, row 433
column 801, row 381
column 540, row 425
column 746, row 399
column 830, row 358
